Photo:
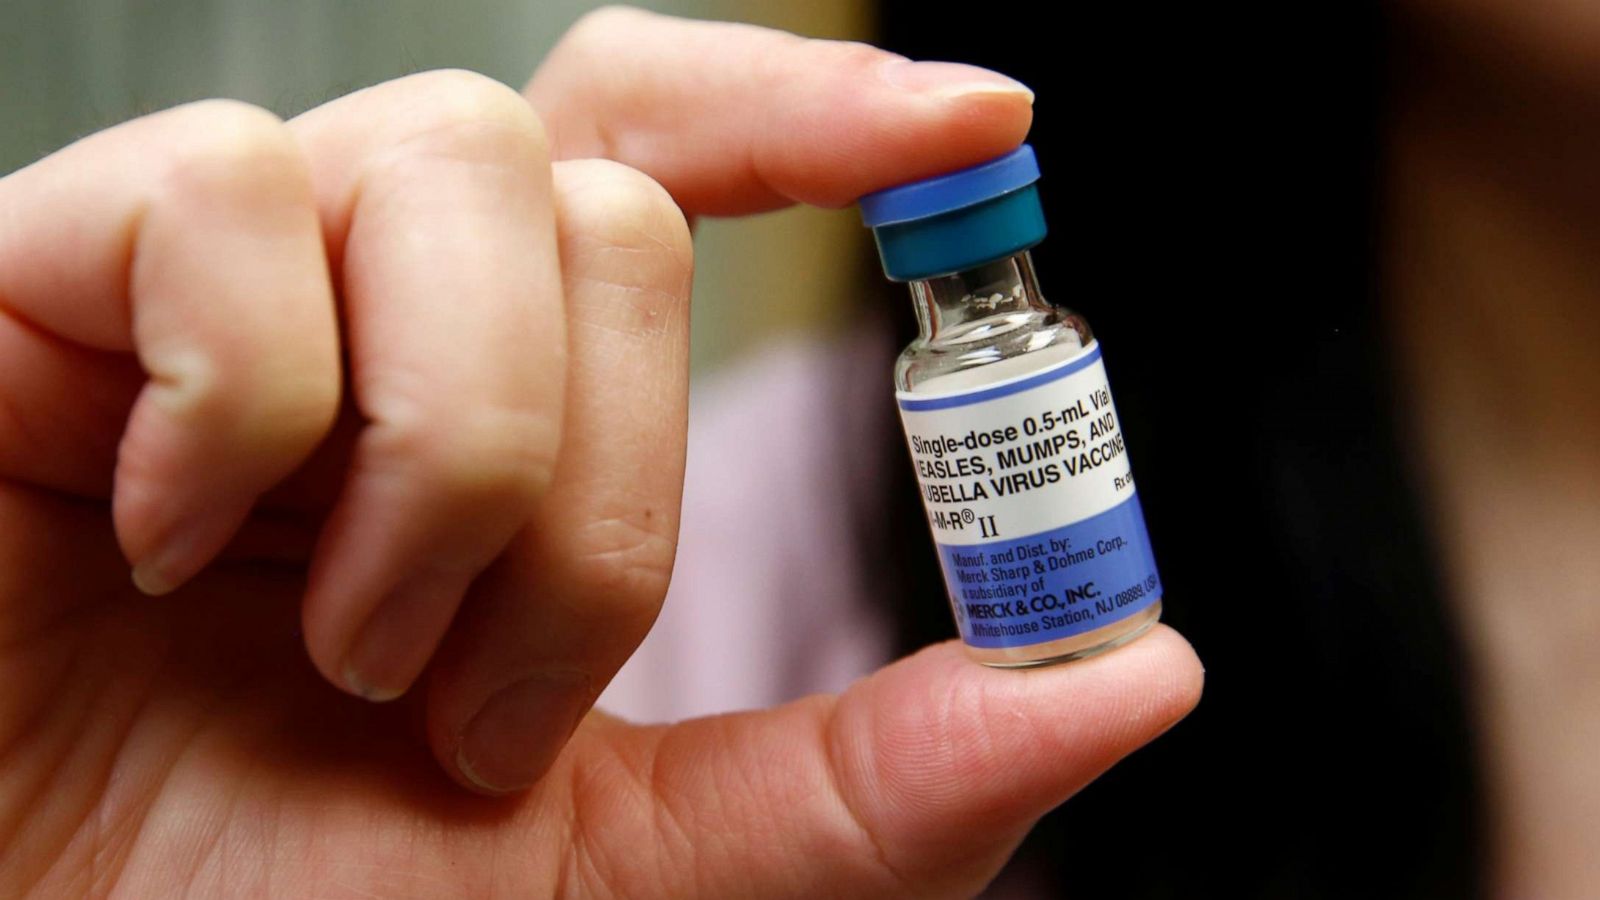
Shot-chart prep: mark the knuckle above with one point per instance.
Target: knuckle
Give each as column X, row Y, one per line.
column 616, row 206
column 300, row 408
column 263, row 409
column 466, row 115
column 626, row 559
column 502, row 454
column 622, row 229
column 479, row 453
column 234, row 152
column 597, row 28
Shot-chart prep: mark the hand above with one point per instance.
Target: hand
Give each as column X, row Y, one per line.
column 402, row 383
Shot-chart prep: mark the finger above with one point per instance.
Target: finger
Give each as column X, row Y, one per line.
column 916, row 782
column 735, row 119
column 63, row 408
column 190, row 238
column 434, row 191
column 549, row 627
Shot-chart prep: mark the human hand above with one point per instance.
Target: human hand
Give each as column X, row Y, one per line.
column 402, row 383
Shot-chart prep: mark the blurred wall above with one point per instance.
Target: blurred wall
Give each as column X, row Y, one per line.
column 70, row 67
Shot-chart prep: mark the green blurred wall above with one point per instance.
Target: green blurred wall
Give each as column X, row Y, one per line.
column 70, row 67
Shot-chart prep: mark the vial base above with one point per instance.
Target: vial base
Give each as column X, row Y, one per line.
column 1078, row 646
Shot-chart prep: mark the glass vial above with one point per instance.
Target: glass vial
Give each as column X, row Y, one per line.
column 1009, row 420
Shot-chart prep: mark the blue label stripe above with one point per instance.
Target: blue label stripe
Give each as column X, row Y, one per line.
column 916, row 404
column 1055, row 584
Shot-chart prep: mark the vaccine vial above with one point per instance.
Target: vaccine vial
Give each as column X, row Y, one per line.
column 1019, row 454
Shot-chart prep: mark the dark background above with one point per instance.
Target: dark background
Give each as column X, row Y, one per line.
column 1211, row 177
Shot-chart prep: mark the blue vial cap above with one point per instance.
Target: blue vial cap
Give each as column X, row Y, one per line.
column 952, row 222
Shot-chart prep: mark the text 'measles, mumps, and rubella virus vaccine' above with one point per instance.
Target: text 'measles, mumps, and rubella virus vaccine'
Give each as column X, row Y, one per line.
column 1019, row 454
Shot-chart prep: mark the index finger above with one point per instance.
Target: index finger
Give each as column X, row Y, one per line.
column 734, row 119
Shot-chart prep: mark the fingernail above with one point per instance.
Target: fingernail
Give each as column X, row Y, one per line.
column 945, row 79
column 151, row 578
column 398, row 637
column 173, row 561
column 520, row 731
column 356, row 681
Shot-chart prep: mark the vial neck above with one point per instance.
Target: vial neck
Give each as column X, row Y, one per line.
column 978, row 302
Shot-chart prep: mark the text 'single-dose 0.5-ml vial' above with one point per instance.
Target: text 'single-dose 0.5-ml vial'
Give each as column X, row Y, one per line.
column 1019, row 453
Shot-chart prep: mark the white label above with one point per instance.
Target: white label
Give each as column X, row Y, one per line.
column 1031, row 500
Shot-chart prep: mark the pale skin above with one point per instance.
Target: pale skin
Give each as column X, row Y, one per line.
column 387, row 404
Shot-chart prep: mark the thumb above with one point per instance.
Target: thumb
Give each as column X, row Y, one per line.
column 919, row 781
column 948, row 764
